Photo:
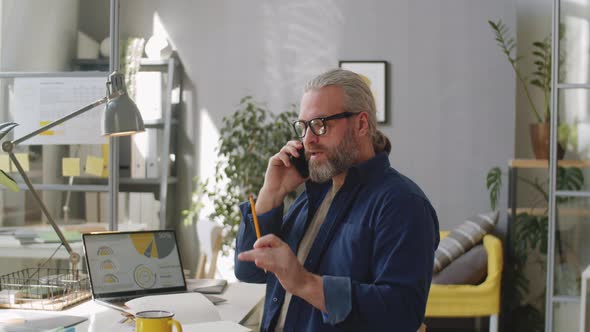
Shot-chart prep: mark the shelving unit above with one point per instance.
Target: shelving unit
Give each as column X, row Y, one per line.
column 162, row 186
column 516, row 165
column 568, row 249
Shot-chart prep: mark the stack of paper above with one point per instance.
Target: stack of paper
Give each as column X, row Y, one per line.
column 192, row 310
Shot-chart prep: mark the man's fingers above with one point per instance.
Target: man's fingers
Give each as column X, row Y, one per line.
column 260, row 257
column 262, row 263
column 269, row 240
column 248, row 256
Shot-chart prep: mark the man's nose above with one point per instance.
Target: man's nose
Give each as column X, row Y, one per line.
column 310, row 137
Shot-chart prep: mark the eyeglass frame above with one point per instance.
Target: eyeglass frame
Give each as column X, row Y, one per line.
column 307, row 124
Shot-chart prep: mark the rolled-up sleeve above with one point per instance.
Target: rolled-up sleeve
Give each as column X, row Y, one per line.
column 270, row 223
column 338, row 298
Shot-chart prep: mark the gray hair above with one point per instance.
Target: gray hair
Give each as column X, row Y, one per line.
column 357, row 98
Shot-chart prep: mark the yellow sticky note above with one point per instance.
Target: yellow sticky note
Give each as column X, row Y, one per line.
column 23, row 160
column 70, row 166
column 4, row 162
column 105, row 160
column 94, row 165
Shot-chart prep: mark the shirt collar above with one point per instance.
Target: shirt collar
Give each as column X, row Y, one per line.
column 364, row 171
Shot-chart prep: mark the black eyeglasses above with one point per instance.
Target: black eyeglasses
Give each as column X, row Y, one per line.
column 318, row 125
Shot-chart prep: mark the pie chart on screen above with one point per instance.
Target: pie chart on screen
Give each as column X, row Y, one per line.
column 153, row 245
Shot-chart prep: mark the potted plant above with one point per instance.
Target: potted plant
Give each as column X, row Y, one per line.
column 541, row 79
column 248, row 138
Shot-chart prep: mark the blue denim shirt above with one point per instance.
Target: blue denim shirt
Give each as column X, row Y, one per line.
column 375, row 252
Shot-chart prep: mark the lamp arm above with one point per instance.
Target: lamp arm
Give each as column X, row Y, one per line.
column 61, row 120
column 74, row 256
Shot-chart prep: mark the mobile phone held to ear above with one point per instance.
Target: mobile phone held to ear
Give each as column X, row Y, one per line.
column 300, row 163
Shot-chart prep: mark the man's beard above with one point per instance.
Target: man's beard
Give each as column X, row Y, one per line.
column 338, row 159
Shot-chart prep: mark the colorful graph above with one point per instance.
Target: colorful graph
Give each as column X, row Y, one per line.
column 153, row 245
column 108, row 265
column 144, row 276
column 104, row 251
column 110, row 279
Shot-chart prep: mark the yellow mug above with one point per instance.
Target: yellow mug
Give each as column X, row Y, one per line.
column 156, row 321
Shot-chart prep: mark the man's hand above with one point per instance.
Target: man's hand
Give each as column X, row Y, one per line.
column 274, row 255
column 280, row 179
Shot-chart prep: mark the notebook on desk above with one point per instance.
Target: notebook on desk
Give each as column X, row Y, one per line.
column 126, row 265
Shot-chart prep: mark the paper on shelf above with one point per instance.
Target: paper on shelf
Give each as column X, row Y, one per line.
column 4, row 163
column 187, row 307
column 94, row 165
column 23, row 159
column 39, row 100
column 70, row 166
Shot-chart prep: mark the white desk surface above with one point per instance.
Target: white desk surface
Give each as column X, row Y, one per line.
column 241, row 298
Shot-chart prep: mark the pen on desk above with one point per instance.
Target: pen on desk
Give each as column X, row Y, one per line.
column 253, row 207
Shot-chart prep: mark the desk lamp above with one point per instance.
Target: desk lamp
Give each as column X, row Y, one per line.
column 121, row 118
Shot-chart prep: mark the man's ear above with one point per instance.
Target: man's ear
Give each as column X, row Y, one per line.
column 363, row 123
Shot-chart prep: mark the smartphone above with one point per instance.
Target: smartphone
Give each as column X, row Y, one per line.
column 300, row 163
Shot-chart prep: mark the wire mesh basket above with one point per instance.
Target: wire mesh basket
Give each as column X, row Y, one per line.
column 43, row 288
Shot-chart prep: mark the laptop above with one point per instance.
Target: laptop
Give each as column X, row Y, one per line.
column 126, row 265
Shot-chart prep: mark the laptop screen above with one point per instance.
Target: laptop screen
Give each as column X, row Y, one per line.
column 133, row 263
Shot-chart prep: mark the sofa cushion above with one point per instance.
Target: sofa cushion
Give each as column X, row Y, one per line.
column 471, row 268
column 463, row 238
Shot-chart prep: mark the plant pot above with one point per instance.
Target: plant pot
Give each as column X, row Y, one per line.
column 540, row 133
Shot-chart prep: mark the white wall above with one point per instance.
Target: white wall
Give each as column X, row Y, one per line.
column 38, row 35
column 452, row 94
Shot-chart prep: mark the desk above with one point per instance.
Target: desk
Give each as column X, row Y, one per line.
column 242, row 299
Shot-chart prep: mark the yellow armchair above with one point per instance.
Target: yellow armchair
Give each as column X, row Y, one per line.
column 471, row 300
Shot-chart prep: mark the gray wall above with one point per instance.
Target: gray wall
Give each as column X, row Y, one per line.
column 38, row 35
column 451, row 94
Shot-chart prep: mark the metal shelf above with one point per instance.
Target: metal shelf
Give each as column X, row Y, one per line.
column 146, row 185
column 159, row 123
column 565, row 299
column 125, row 185
column 573, row 86
column 67, row 187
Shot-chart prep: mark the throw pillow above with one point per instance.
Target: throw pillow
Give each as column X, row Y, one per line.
column 463, row 238
column 471, row 268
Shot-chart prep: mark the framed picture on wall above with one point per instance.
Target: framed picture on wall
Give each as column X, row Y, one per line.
column 375, row 74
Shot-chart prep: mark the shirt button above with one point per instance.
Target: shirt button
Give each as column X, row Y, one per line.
column 274, row 299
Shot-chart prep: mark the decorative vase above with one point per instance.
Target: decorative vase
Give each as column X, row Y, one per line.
column 540, row 133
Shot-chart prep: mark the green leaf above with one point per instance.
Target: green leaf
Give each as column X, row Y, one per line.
column 569, row 178
column 8, row 182
column 494, row 184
